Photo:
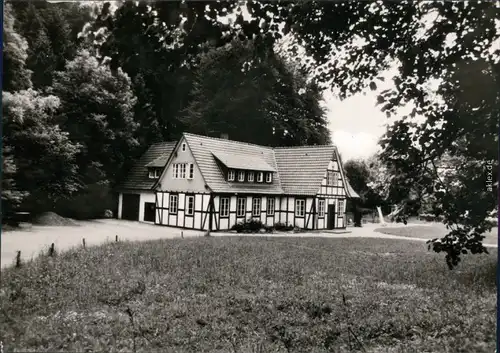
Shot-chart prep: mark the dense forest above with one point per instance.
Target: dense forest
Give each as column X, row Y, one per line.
column 87, row 88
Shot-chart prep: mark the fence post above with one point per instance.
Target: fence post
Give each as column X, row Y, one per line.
column 51, row 250
column 18, row 258
column 116, row 238
column 182, row 234
column 83, row 241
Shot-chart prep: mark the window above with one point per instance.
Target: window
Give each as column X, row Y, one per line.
column 154, row 173
column 183, row 147
column 269, row 177
column 191, row 171
column 332, row 178
column 270, row 206
column 321, row 208
column 241, row 176
column 230, row 175
column 260, row 177
column 174, row 202
column 241, row 207
column 176, row 171
column 329, row 178
column 224, row 207
column 341, row 206
column 189, row 205
column 256, row 207
column 250, row 176
column 300, row 208
column 181, row 171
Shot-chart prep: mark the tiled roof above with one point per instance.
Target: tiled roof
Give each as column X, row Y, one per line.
column 302, row 168
column 138, row 176
column 243, row 161
column 159, row 162
column 203, row 149
column 296, row 170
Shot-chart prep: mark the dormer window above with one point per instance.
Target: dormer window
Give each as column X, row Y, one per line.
column 154, row 173
column 241, row 176
column 269, row 177
column 260, row 177
column 250, row 177
column 230, row 175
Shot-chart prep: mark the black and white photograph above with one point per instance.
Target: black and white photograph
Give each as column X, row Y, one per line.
column 250, row 176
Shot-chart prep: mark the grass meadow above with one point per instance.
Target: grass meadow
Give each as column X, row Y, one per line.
column 436, row 230
column 249, row 294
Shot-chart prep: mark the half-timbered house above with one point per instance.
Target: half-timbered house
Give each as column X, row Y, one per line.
column 211, row 183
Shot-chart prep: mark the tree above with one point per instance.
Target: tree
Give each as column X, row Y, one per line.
column 51, row 31
column 97, row 112
column 280, row 107
column 16, row 76
column 43, row 154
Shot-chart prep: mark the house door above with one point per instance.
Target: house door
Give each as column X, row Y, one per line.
column 149, row 211
column 331, row 217
column 130, row 207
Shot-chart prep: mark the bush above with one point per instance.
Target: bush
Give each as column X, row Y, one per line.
column 250, row 226
column 283, row 227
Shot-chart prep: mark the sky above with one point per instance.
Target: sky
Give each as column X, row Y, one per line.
column 356, row 124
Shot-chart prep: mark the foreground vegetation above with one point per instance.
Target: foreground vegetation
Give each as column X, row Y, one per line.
column 247, row 294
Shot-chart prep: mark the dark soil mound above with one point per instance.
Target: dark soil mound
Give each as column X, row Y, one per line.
column 53, row 219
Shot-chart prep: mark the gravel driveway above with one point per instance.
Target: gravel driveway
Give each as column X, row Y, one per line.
column 38, row 238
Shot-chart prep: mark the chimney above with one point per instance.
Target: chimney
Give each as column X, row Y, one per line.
column 224, row 136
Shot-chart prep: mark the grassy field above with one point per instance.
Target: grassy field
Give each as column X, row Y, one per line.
column 246, row 294
column 435, row 230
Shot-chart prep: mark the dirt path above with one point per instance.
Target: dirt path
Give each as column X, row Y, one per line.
column 37, row 239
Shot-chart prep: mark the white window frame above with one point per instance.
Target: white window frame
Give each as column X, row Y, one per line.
column 241, row 176
column 269, row 177
column 189, row 211
column 300, row 208
column 321, row 208
column 341, row 203
column 191, row 171
column 183, row 171
column 271, row 204
column 256, row 207
column 154, row 173
column 260, row 177
column 183, row 149
column 241, row 201
column 251, row 176
column 224, row 207
column 173, row 200
column 175, row 171
column 330, row 177
column 230, row 175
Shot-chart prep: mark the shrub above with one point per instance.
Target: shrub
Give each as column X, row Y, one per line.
column 283, row 227
column 250, row 226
